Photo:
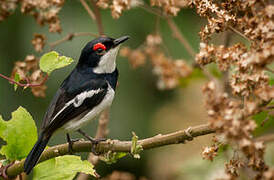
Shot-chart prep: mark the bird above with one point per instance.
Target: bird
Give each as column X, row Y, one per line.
column 84, row 94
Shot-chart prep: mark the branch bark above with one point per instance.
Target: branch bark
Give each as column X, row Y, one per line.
column 118, row 146
column 70, row 36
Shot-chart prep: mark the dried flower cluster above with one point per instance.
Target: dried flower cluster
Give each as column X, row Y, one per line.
column 29, row 71
column 210, row 152
column 38, row 42
column 248, row 78
column 167, row 70
column 44, row 11
column 170, row 7
column 232, row 120
column 118, row 6
column 7, row 8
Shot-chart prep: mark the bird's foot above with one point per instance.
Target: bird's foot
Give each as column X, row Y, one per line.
column 93, row 141
column 70, row 144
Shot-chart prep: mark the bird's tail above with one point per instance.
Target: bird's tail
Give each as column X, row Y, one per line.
column 36, row 152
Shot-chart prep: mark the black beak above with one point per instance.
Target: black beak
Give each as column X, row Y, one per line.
column 120, row 40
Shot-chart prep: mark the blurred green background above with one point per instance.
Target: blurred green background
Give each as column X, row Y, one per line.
column 138, row 106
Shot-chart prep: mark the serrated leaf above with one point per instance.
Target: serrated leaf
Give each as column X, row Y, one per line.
column 20, row 134
column 51, row 61
column 16, row 79
column 62, row 167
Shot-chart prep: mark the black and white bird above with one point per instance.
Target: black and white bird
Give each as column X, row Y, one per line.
column 84, row 94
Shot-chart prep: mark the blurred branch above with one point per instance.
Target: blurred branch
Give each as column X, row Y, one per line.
column 90, row 12
column 265, row 138
column 268, row 69
column 238, row 32
column 27, row 84
column 177, row 34
column 98, row 17
column 118, row 146
column 226, row 82
column 70, row 36
column 101, row 133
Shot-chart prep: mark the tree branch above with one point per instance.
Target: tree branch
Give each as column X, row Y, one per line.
column 98, row 17
column 27, row 84
column 117, row 145
column 90, row 12
column 180, row 37
column 70, row 36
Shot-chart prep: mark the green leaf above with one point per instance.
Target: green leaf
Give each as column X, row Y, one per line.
column 51, row 61
column 16, row 79
column 20, row 134
column 135, row 147
column 112, row 157
column 62, row 167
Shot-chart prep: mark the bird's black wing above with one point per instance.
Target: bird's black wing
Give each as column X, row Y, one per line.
column 68, row 104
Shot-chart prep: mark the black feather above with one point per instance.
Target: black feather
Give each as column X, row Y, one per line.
column 35, row 153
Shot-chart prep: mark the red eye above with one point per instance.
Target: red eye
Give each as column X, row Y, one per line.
column 99, row 46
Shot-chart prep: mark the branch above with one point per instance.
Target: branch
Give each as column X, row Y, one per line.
column 27, row 84
column 266, row 138
column 117, row 146
column 91, row 14
column 70, row 36
column 95, row 16
column 180, row 37
column 98, row 17
column 239, row 33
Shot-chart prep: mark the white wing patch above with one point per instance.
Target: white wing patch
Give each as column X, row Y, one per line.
column 78, row 100
column 78, row 122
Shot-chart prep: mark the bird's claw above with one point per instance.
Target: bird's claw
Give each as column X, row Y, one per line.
column 95, row 142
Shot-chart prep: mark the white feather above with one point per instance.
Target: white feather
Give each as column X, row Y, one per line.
column 107, row 64
column 77, row 122
column 78, row 100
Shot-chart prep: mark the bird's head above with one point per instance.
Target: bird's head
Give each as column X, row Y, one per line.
column 100, row 54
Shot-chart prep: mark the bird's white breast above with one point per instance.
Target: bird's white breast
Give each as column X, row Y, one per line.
column 77, row 122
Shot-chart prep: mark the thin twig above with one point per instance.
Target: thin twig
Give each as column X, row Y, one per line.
column 177, row 33
column 238, row 32
column 70, row 36
column 226, row 82
column 265, row 138
column 90, row 12
column 268, row 69
column 151, row 10
column 118, row 146
column 98, row 17
column 180, row 37
column 27, row 84
column 102, row 132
